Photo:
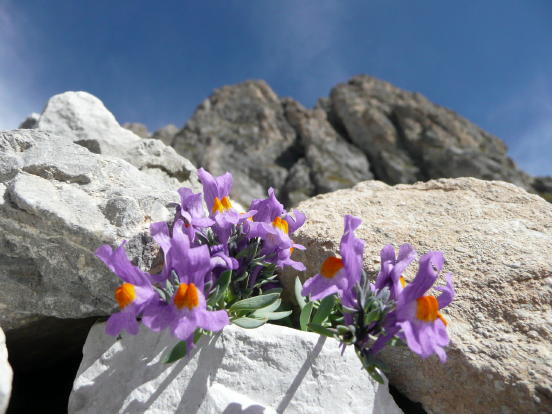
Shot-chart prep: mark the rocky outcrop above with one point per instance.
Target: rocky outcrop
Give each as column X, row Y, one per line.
column 237, row 371
column 367, row 128
column 139, row 129
column 333, row 162
column 84, row 119
column 497, row 241
column 30, row 122
column 242, row 129
column 166, row 134
column 5, row 375
column 543, row 186
column 408, row 139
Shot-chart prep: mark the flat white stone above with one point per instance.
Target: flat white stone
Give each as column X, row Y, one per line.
column 6, row 375
column 267, row 370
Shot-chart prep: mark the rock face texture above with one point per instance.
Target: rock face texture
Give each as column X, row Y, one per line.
column 243, row 129
column 84, row 118
column 139, row 129
column 367, row 128
column 58, row 203
column 271, row 369
column 166, row 134
column 407, row 138
column 5, row 375
column 497, row 241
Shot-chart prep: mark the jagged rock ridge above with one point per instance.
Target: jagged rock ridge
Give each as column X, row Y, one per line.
column 367, row 128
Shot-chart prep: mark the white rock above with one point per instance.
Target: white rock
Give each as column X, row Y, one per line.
column 6, row 375
column 271, row 369
column 84, row 118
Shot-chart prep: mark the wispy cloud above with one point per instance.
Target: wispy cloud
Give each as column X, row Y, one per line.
column 528, row 116
column 16, row 92
column 301, row 44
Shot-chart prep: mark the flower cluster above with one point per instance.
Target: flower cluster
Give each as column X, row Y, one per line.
column 372, row 315
column 219, row 266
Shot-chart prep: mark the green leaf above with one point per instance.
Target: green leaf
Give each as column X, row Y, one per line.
column 178, row 352
column 298, row 288
column 222, row 284
column 197, row 335
column 305, row 316
column 371, row 316
column 256, row 302
column 319, row 329
column 326, row 306
column 274, row 316
column 249, row 323
column 270, row 308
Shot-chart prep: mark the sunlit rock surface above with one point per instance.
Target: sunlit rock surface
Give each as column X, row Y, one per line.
column 497, row 241
column 271, row 369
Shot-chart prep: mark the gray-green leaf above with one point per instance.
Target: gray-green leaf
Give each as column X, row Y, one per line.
column 256, row 302
column 249, row 323
column 305, row 316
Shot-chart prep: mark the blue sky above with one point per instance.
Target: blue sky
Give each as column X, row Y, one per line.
column 154, row 62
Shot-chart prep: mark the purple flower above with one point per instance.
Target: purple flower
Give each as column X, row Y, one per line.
column 267, row 209
column 339, row 275
column 187, row 309
column 191, row 212
column 216, row 191
column 391, row 268
column 132, row 296
column 417, row 316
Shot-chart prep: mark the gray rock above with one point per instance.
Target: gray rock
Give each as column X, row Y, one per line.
column 333, row 162
column 6, row 375
column 139, row 129
column 84, row 118
column 241, row 129
column 497, row 241
column 271, row 369
column 30, row 122
column 166, row 134
column 407, row 138
column 58, row 204
column 298, row 185
column 543, row 186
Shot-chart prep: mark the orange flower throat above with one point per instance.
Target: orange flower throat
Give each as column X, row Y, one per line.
column 186, row 295
column 427, row 309
column 125, row 295
column 331, row 266
column 280, row 224
column 221, row 206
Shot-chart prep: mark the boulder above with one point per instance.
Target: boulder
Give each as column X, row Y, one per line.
column 271, row 369
column 5, row 375
column 243, row 129
column 58, row 203
column 497, row 241
column 166, row 134
column 408, row 138
column 139, row 129
column 83, row 118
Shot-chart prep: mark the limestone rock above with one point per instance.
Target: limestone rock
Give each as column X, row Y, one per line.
column 58, row 203
column 5, row 375
column 139, row 129
column 85, row 119
column 334, row 163
column 243, row 129
column 266, row 370
column 497, row 241
column 166, row 134
column 407, row 138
